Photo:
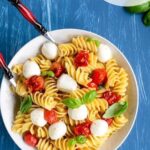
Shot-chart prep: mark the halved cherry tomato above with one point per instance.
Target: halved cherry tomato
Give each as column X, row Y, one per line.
column 99, row 76
column 83, row 129
column 82, row 58
column 30, row 139
column 109, row 121
column 111, row 97
column 35, row 83
column 92, row 85
column 50, row 116
column 57, row 68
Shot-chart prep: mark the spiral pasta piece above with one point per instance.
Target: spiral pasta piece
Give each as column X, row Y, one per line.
column 60, row 110
column 112, row 73
column 43, row 100
column 43, row 63
column 17, row 69
column 67, row 49
column 121, row 85
column 118, row 123
column 100, row 105
column 82, row 43
column 78, row 74
column 45, row 144
column 21, row 88
column 62, row 144
column 50, row 87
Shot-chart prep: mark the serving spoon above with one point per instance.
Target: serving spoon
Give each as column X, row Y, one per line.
column 27, row 14
column 7, row 71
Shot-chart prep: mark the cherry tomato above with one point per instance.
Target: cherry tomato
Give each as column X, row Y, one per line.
column 81, row 59
column 83, row 129
column 99, row 76
column 111, row 97
column 30, row 139
column 92, row 85
column 50, row 116
column 35, row 83
column 57, row 68
column 109, row 121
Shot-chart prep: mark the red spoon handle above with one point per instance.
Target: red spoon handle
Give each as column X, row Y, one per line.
column 5, row 67
column 28, row 16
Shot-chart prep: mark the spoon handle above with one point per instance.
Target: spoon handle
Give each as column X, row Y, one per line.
column 27, row 14
column 4, row 66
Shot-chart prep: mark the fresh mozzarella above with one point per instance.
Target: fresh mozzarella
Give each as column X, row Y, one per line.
column 57, row 130
column 99, row 127
column 37, row 117
column 49, row 50
column 30, row 68
column 80, row 113
column 104, row 53
column 65, row 83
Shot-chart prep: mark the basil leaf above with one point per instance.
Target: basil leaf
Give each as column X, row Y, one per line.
column 97, row 42
column 72, row 142
column 72, row 102
column 116, row 110
column 81, row 139
column 89, row 97
column 44, row 73
column 26, row 104
column 48, row 73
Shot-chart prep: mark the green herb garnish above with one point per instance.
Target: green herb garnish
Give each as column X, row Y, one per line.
column 75, row 103
column 97, row 42
column 26, row 104
column 116, row 110
column 81, row 139
column 89, row 97
column 48, row 73
column 72, row 142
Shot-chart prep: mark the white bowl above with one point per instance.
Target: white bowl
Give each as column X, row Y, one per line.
column 9, row 103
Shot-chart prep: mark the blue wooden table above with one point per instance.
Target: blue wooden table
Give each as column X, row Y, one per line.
column 124, row 30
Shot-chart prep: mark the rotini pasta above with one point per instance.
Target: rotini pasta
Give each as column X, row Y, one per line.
column 65, row 107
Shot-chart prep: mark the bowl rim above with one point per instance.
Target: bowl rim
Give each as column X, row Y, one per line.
column 94, row 34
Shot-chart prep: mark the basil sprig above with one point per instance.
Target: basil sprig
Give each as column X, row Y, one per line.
column 81, row 139
column 116, row 110
column 75, row 103
column 26, row 104
column 97, row 42
column 72, row 102
column 48, row 73
column 89, row 97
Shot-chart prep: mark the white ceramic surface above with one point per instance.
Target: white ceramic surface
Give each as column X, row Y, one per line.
column 9, row 103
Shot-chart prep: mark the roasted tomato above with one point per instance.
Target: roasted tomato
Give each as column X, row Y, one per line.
column 30, row 139
column 57, row 68
column 99, row 76
column 50, row 116
column 35, row 83
column 111, row 97
column 82, row 59
column 109, row 121
column 83, row 129
column 92, row 85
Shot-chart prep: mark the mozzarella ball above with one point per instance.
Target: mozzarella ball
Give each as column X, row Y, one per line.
column 31, row 68
column 65, row 83
column 80, row 113
column 57, row 130
column 49, row 50
column 37, row 117
column 104, row 53
column 99, row 127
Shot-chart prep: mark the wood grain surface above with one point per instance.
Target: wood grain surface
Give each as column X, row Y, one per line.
column 124, row 30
